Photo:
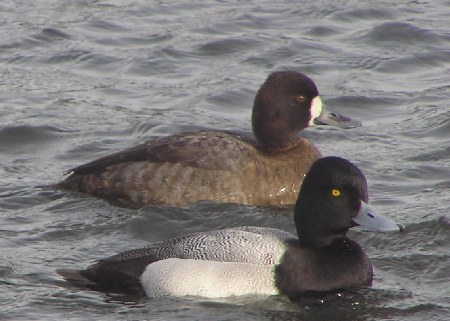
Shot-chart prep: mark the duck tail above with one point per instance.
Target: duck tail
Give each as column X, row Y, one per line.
column 75, row 277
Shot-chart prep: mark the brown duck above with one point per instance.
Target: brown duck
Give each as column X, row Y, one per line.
column 217, row 165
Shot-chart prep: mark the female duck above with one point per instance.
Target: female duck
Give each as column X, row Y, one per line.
column 257, row 260
column 219, row 166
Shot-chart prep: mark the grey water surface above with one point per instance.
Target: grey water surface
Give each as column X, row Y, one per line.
column 81, row 79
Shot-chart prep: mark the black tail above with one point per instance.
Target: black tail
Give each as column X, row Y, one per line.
column 76, row 278
column 110, row 282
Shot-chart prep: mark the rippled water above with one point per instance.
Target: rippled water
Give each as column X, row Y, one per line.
column 80, row 79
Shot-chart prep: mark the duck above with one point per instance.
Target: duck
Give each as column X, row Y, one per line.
column 252, row 260
column 217, row 165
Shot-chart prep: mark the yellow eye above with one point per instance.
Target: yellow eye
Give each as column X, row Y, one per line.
column 301, row 99
column 335, row 192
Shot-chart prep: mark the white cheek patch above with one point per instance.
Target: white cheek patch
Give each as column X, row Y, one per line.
column 316, row 109
column 211, row 279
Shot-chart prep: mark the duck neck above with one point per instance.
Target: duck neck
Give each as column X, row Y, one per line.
column 282, row 147
column 319, row 239
column 315, row 230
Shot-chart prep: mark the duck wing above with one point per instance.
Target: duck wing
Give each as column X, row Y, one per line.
column 202, row 149
column 121, row 272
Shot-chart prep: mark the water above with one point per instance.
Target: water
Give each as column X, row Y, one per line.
column 80, row 79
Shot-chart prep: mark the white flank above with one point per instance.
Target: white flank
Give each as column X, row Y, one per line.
column 212, row 279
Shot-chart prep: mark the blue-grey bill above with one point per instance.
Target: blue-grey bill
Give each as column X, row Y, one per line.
column 371, row 220
column 335, row 119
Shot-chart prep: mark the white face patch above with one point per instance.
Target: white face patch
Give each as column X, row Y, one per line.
column 316, row 109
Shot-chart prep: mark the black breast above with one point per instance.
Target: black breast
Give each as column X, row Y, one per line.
column 342, row 265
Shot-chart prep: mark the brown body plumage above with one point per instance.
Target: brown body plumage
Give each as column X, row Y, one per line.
column 216, row 166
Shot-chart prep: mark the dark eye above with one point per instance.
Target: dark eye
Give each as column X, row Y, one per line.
column 301, row 98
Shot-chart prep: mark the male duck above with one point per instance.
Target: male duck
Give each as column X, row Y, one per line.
column 216, row 165
column 257, row 260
